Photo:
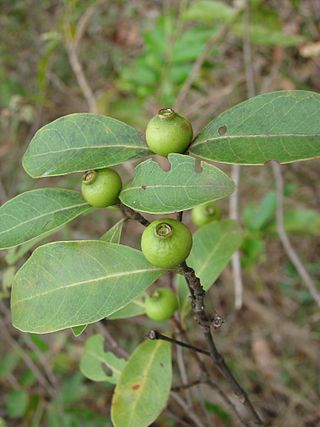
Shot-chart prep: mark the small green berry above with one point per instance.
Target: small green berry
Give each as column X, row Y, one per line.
column 168, row 132
column 161, row 304
column 205, row 213
column 166, row 243
column 101, row 188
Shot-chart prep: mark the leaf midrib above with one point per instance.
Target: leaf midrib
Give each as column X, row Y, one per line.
column 42, row 216
column 85, row 282
column 144, row 379
column 90, row 147
column 152, row 186
column 279, row 135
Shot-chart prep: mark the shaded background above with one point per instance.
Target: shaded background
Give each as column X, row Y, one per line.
column 128, row 59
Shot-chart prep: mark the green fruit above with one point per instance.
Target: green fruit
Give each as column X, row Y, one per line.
column 166, row 243
column 168, row 132
column 161, row 304
column 101, row 188
column 205, row 213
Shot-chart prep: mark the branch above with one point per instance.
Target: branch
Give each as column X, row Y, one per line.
column 72, row 43
column 235, row 260
column 184, row 406
column 155, row 335
column 28, row 361
column 292, row 254
column 132, row 214
column 235, row 171
column 197, row 303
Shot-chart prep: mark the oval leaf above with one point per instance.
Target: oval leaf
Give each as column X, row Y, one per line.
column 79, row 142
column 37, row 212
column 213, row 246
column 282, row 126
column 153, row 190
column 143, row 388
column 67, row 284
column 94, row 358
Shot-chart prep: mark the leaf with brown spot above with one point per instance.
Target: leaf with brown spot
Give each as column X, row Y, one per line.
column 143, row 388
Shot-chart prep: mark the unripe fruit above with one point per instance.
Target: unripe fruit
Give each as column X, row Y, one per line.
column 161, row 304
column 166, row 243
column 168, row 132
column 101, row 188
column 205, row 213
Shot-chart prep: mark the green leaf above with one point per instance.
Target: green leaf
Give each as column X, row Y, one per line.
column 17, row 403
column 37, row 212
column 302, row 221
column 143, row 388
column 209, row 10
column 79, row 142
column 113, row 235
column 77, row 330
column 67, row 284
column 153, row 190
column 94, row 358
column 264, row 214
column 282, row 126
column 264, row 36
column 213, row 246
column 134, row 308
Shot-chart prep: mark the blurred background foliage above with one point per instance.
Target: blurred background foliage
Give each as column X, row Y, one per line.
column 128, row 59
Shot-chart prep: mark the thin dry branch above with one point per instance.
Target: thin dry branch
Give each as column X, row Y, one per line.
column 197, row 303
column 290, row 251
column 72, row 44
column 185, row 407
column 235, row 260
column 27, row 360
column 194, row 73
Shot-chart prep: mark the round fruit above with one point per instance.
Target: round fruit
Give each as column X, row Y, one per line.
column 168, row 132
column 161, row 304
column 205, row 213
column 166, row 242
column 101, row 188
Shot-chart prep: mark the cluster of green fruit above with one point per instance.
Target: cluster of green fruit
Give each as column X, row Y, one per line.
column 166, row 242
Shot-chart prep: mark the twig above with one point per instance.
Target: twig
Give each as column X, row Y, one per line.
column 235, row 170
column 113, row 343
column 197, row 303
column 72, row 43
column 49, row 373
column 132, row 214
column 155, row 335
column 290, row 251
column 184, row 406
column 179, row 216
column 187, row 385
column 212, row 384
column 27, row 360
column 42, row 360
column 194, row 73
column 197, row 296
column 235, row 260
column 247, row 54
column 183, row 374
